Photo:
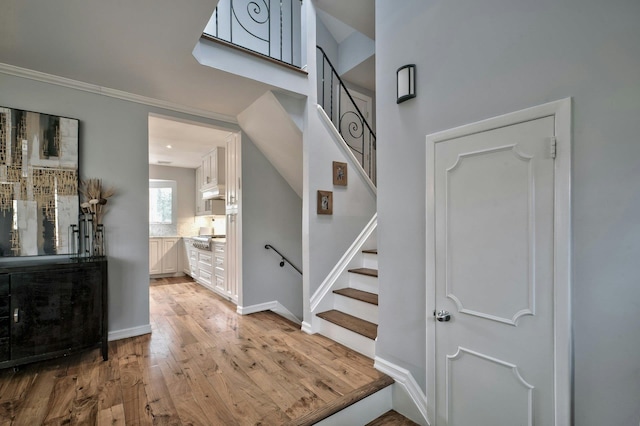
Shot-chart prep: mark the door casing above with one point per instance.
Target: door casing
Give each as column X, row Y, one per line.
column 561, row 111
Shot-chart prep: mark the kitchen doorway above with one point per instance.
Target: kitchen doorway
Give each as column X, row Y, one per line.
column 205, row 236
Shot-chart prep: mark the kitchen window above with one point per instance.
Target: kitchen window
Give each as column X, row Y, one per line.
column 162, row 201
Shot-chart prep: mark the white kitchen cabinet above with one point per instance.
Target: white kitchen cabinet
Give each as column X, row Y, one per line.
column 218, row 270
column 155, row 256
column 203, row 207
column 208, row 269
column 213, row 169
column 205, row 268
column 206, row 207
column 170, row 255
column 163, row 255
column 186, row 266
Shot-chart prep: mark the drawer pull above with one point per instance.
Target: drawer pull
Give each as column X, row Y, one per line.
column 16, row 315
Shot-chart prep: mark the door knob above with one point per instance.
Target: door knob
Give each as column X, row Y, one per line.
column 443, row 316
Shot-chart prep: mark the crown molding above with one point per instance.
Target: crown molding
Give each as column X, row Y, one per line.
column 112, row 93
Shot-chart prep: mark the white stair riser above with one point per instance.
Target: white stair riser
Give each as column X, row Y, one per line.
column 357, row 308
column 363, row 282
column 370, row 260
column 355, row 341
column 363, row 411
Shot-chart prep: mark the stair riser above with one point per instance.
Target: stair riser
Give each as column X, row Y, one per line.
column 357, row 308
column 370, row 260
column 363, row 282
column 352, row 340
column 363, row 411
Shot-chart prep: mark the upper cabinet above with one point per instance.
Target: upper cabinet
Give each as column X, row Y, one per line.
column 210, row 183
column 213, row 170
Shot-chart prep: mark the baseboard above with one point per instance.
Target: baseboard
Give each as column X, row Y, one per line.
column 404, row 378
column 129, row 332
column 273, row 306
column 343, row 263
column 307, row 328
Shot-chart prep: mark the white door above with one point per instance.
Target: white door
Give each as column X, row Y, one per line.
column 492, row 348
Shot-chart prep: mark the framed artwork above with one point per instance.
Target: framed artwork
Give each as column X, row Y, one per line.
column 39, row 203
column 325, row 202
column 339, row 173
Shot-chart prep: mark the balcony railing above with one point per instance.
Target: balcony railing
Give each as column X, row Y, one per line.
column 337, row 102
column 269, row 27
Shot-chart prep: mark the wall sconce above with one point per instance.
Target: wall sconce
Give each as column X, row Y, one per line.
column 406, row 82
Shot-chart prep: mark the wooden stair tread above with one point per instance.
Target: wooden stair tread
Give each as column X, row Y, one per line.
column 363, row 296
column 392, row 418
column 365, row 271
column 355, row 324
column 343, row 402
column 372, row 251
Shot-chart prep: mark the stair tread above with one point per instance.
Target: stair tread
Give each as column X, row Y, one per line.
column 365, row 271
column 355, row 324
column 372, row 251
column 363, row 296
column 392, row 418
column 343, row 402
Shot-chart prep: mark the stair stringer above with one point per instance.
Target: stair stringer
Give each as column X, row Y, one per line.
column 323, row 297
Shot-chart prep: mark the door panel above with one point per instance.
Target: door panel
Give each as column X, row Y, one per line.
column 493, row 200
column 489, row 199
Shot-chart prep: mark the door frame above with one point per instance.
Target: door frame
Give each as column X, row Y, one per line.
column 561, row 111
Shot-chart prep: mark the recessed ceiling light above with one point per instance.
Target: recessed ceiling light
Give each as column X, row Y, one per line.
column 169, row 146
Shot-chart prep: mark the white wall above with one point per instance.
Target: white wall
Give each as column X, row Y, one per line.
column 271, row 214
column 327, row 237
column 480, row 59
column 354, row 50
column 114, row 147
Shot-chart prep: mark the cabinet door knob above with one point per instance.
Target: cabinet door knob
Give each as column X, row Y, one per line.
column 16, row 315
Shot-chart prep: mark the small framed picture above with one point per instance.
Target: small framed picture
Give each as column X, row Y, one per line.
column 339, row 173
column 325, row 202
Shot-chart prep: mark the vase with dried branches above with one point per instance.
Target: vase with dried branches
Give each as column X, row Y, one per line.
column 93, row 207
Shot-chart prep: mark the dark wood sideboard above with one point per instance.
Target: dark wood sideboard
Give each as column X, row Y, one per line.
column 51, row 308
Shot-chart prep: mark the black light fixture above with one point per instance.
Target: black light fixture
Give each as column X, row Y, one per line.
column 406, row 83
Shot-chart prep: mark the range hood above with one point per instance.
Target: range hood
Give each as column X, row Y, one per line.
column 213, row 192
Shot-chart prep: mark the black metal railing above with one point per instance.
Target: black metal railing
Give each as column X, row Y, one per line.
column 337, row 102
column 282, row 258
column 268, row 27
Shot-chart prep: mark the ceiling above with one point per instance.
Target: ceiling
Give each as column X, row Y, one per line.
column 181, row 143
column 141, row 47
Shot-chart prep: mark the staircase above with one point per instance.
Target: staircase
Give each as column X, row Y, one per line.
column 353, row 319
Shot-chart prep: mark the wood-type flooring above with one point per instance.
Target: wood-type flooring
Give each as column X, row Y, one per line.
column 202, row 365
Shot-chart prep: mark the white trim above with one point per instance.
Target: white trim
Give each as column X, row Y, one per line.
column 307, row 328
column 338, row 138
column 129, row 332
column 363, row 411
column 113, row 93
column 343, row 263
column 562, row 261
column 561, row 111
column 404, row 378
column 273, row 306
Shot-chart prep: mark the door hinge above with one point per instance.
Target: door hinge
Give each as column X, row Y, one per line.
column 552, row 146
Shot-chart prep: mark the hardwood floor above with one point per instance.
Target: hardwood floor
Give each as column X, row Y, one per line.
column 202, row 365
